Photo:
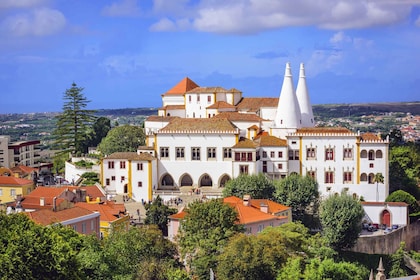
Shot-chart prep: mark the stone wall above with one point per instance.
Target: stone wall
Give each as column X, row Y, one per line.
column 389, row 243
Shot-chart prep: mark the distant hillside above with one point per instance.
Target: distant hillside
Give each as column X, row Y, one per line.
column 360, row 109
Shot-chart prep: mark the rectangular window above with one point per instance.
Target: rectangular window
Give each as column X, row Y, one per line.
column 293, row 154
column 180, row 152
column 348, row 153
column 280, row 154
column 347, row 177
column 122, row 164
column 139, row 166
column 329, row 177
column 249, row 157
column 329, row 154
column 83, row 227
column 272, row 154
column 243, row 156
column 92, row 225
column 12, row 192
column 310, row 153
column 107, row 182
column 208, row 98
column 211, row 153
column 110, row 165
column 280, row 166
column 122, row 178
column 243, row 169
column 113, row 178
column 264, row 154
column 1, row 192
column 164, row 152
column 195, row 153
column 227, row 153
column 139, row 184
column 264, row 166
column 198, row 98
column 189, row 98
column 370, row 165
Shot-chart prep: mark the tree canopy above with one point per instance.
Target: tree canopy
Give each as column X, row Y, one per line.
column 341, row 217
column 298, row 192
column 257, row 186
column 205, row 230
column 125, row 138
column 73, row 123
column 157, row 213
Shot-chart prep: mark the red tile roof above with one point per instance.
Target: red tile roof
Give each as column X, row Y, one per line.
column 245, row 143
column 174, row 107
column 323, row 130
column 93, row 191
column 109, row 211
column 13, row 181
column 270, row 141
column 221, row 105
column 199, row 125
column 48, row 217
column 370, row 136
column 213, row 90
column 182, row 87
column 23, row 169
column 253, row 104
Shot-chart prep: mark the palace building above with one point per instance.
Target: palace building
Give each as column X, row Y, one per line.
column 205, row 136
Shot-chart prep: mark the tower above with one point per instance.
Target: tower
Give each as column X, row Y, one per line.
column 288, row 114
column 304, row 100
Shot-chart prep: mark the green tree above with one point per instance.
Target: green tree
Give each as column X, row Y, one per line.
column 397, row 263
column 125, row 138
column 329, row 269
column 257, row 186
column 73, row 123
column 404, row 169
column 157, row 213
column 379, row 178
column 100, row 129
column 341, row 217
column 205, row 230
column 298, row 192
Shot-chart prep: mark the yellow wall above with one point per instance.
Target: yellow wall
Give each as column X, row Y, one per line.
column 19, row 190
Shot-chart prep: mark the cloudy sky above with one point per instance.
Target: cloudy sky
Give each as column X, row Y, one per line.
column 126, row 53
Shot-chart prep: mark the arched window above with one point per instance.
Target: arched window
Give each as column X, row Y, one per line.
column 371, row 178
column 363, row 177
column 371, row 155
column 363, row 154
column 378, row 154
column 167, row 180
column 206, row 181
column 186, row 180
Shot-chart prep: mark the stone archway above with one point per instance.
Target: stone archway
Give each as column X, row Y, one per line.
column 186, row 180
column 205, row 181
column 223, row 180
column 167, row 180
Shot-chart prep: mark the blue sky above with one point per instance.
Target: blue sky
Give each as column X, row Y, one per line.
column 126, row 53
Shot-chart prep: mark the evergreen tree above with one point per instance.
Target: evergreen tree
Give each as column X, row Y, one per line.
column 157, row 213
column 73, row 123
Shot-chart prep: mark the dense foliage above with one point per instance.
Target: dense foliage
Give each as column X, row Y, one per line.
column 125, row 138
column 157, row 213
column 341, row 217
column 257, row 186
column 74, row 122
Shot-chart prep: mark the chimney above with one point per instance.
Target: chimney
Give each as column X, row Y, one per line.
column 264, row 207
column 55, row 203
column 42, row 201
column 247, row 200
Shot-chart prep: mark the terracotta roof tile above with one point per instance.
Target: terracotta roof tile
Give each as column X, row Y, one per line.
column 155, row 118
column 221, row 105
column 93, row 191
column 23, row 169
column 131, row 156
column 199, row 125
column 48, row 217
column 253, row 104
column 245, row 143
column 109, row 211
column 236, row 116
column 174, row 107
column 182, row 87
column 270, row 141
column 370, row 136
column 13, row 181
column 273, row 207
column 323, row 130
column 4, row 171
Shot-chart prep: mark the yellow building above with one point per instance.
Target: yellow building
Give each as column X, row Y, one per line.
column 12, row 188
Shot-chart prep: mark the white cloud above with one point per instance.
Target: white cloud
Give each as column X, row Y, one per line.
column 122, row 9
column 164, row 24
column 122, row 64
column 5, row 4
column 252, row 16
column 339, row 38
column 38, row 22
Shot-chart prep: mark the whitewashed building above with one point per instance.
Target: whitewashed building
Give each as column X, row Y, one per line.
column 204, row 136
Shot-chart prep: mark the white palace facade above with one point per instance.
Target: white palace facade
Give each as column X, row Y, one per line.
column 205, row 136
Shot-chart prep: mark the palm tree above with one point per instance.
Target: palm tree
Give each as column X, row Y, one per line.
column 379, row 178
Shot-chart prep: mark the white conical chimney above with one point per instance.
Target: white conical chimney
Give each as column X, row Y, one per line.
column 302, row 95
column 288, row 112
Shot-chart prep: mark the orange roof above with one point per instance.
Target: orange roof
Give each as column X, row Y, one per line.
column 48, row 217
column 182, row 87
column 273, row 207
column 93, row 191
column 270, row 141
column 174, row 107
column 49, row 192
column 247, row 215
column 245, row 143
column 31, row 202
column 253, row 104
column 199, row 125
column 178, row 216
column 109, row 211
column 370, row 136
column 236, row 116
column 13, row 181
column 4, row 171
column 221, row 105
column 23, row 169
column 323, row 130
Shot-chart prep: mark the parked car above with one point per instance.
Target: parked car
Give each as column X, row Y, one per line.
column 395, row 226
column 387, row 230
column 372, row 228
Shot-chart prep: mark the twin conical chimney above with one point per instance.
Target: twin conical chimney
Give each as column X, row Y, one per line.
column 303, row 100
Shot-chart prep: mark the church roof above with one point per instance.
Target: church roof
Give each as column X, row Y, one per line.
column 199, row 125
column 182, row 87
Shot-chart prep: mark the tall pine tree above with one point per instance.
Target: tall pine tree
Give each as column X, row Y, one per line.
column 73, row 123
